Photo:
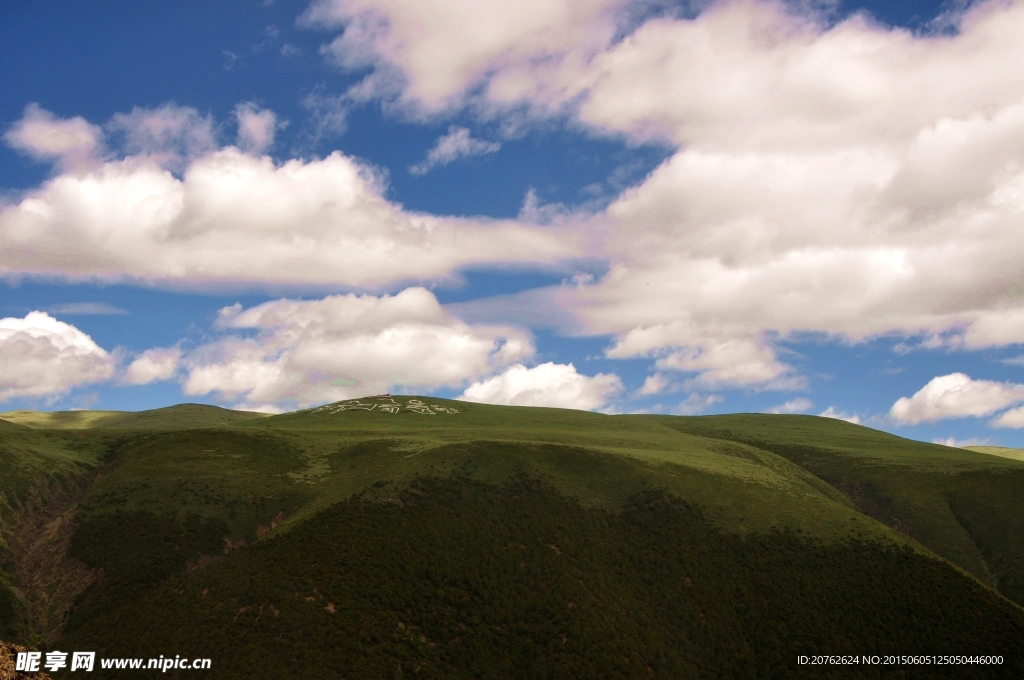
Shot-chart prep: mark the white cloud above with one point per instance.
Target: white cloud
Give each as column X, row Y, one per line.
column 433, row 51
column 169, row 135
column 153, row 365
column 535, row 212
column 833, row 412
column 256, row 127
column 799, row 405
column 87, row 308
column 341, row 346
column 549, row 384
column 843, row 179
column 733, row 362
column 270, row 409
column 43, row 357
column 720, row 362
column 696, row 404
column 956, row 396
column 961, row 443
column 1013, row 418
column 458, row 143
column 328, row 113
column 73, row 143
column 654, row 384
column 233, row 217
column 801, row 201
column 230, row 60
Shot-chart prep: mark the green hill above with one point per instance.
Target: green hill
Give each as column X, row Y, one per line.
column 460, row 579
column 397, row 510
column 1002, row 451
column 182, row 416
column 963, row 505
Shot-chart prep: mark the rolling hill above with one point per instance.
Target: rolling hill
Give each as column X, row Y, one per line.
column 179, row 417
column 403, row 535
column 1002, row 451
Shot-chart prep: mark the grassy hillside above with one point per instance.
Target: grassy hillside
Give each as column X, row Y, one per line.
column 459, row 579
column 161, row 502
column 1001, row 451
column 964, row 505
column 60, row 420
column 180, row 417
column 735, row 483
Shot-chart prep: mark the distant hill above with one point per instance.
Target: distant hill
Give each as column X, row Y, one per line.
column 1002, row 451
column 182, row 416
column 429, row 537
column 60, row 420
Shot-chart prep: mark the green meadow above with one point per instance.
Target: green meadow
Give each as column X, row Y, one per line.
column 397, row 509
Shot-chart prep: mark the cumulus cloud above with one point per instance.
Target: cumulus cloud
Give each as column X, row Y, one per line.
column 697, row 403
column 43, row 357
column 843, row 179
column 73, row 143
column 654, row 384
column 235, row 217
column 152, row 365
column 433, row 51
column 840, row 180
column 833, row 412
column 961, row 443
column 1013, row 418
column 819, row 187
column 800, row 405
column 458, row 143
column 957, row 396
column 342, row 346
column 549, row 384
column 256, row 127
column 169, row 135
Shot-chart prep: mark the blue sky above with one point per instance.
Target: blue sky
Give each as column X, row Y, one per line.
column 624, row 206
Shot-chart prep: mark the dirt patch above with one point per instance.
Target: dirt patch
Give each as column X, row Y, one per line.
column 265, row 529
column 233, row 543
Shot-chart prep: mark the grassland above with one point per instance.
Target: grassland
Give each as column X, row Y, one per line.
column 461, row 579
column 1001, row 451
column 153, row 497
column 963, row 505
column 182, row 416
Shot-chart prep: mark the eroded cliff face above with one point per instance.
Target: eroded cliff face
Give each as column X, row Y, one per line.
column 42, row 577
column 8, row 656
